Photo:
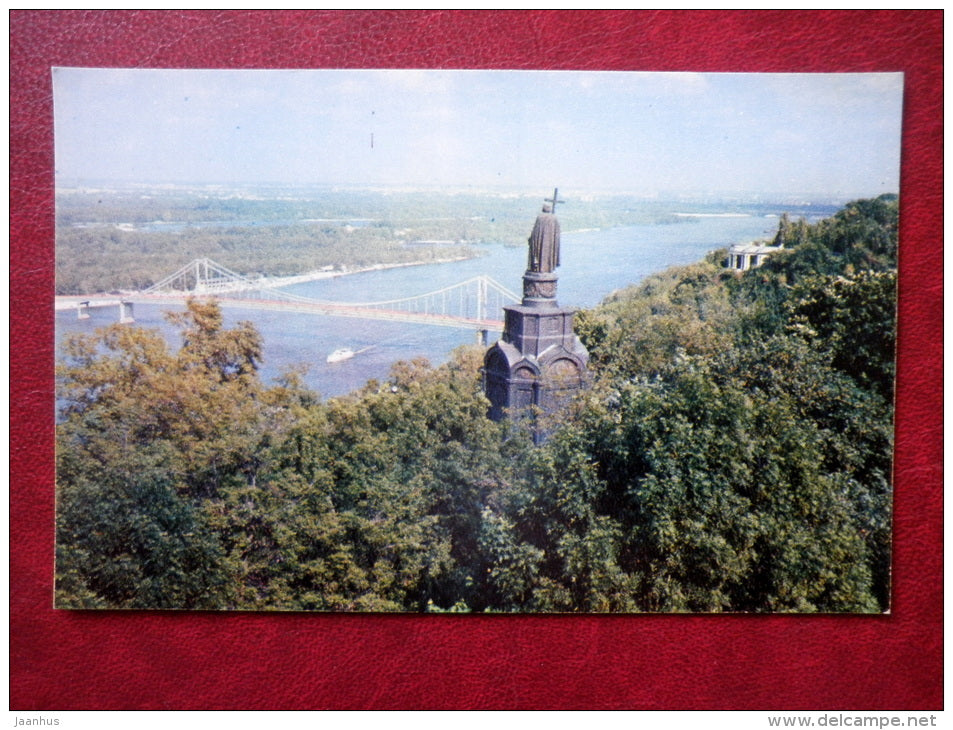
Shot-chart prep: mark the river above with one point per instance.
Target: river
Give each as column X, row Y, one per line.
column 594, row 264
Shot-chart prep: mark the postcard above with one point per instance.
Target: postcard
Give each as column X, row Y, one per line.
column 475, row 341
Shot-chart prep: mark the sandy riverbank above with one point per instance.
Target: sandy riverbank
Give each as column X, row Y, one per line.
column 279, row 281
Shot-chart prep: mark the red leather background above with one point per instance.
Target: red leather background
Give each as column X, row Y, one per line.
column 110, row 660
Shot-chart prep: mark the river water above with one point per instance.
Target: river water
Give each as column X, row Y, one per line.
column 594, row 264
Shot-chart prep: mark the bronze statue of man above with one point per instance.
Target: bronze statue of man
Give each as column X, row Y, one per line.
column 544, row 242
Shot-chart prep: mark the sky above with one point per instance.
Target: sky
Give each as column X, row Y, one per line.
column 641, row 133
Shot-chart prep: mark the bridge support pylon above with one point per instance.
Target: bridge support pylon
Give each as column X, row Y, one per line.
column 125, row 313
column 82, row 310
column 482, row 337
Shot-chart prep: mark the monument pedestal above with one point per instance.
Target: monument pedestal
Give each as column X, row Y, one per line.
column 539, row 363
column 539, row 289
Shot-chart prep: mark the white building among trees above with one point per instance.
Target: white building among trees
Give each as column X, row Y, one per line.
column 744, row 256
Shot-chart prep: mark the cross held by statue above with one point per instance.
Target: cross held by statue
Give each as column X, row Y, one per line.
column 555, row 199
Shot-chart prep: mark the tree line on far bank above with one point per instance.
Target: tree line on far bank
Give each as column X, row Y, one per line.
column 114, row 240
column 733, row 454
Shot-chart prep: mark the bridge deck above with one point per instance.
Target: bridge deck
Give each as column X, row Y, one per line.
column 321, row 308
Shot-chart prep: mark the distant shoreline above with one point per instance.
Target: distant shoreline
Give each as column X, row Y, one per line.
column 279, row 281
column 712, row 215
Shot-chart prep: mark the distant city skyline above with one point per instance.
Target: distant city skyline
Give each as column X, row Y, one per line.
column 647, row 134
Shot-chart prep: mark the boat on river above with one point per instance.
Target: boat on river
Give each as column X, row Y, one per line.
column 346, row 353
column 341, row 354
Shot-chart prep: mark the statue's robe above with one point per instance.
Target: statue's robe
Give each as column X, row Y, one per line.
column 544, row 244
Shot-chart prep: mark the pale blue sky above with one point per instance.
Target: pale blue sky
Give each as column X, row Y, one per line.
column 646, row 133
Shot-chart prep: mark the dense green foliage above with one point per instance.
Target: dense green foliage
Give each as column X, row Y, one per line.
column 733, row 454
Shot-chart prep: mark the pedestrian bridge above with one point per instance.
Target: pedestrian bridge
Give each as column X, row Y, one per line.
column 475, row 304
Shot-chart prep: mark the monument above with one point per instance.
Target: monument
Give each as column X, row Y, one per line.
column 539, row 363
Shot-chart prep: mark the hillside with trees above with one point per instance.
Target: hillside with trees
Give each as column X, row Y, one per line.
column 733, row 454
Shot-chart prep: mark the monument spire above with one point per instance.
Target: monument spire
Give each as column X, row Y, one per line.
column 553, row 200
column 539, row 363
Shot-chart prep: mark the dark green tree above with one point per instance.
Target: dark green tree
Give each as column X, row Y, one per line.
column 147, row 438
